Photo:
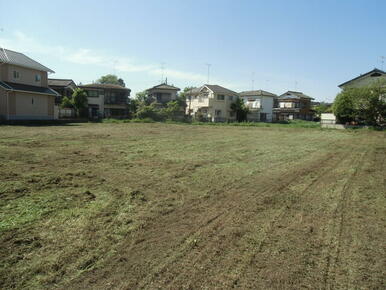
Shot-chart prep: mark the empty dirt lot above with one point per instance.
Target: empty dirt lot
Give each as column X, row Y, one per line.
column 148, row 206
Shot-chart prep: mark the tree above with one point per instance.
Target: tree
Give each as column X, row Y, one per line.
column 143, row 97
column 239, row 108
column 365, row 105
column 79, row 102
column 173, row 108
column 66, row 103
column 111, row 79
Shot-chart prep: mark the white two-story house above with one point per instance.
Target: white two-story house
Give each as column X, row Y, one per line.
column 260, row 104
column 24, row 91
column 211, row 103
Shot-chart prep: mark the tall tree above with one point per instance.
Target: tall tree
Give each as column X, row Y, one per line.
column 239, row 108
column 111, row 79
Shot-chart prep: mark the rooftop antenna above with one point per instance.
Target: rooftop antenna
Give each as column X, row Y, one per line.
column 253, row 81
column 1, row 30
column 296, row 85
column 208, row 64
column 163, row 71
column 382, row 61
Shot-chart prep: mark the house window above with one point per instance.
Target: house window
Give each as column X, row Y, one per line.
column 38, row 78
column 16, row 74
column 230, row 98
column 32, row 101
column 218, row 113
column 92, row 94
column 220, row 97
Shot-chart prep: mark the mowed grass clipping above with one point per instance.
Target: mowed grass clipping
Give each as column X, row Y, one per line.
column 131, row 205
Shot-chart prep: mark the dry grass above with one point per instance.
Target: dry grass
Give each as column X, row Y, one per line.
column 179, row 206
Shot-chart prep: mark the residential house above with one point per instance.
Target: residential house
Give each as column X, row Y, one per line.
column 366, row 79
column 260, row 104
column 211, row 103
column 24, row 91
column 64, row 88
column 293, row 105
column 107, row 100
column 162, row 94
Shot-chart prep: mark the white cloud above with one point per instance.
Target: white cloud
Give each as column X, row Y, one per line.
column 84, row 56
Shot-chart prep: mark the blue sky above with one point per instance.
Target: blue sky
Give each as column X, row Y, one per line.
column 310, row 46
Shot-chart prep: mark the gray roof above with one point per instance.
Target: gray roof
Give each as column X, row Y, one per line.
column 257, row 93
column 60, row 82
column 164, row 87
column 376, row 71
column 215, row 89
column 27, row 88
column 17, row 58
column 294, row 95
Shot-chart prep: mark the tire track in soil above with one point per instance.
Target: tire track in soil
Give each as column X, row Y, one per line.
column 338, row 226
column 211, row 226
column 270, row 225
column 222, row 224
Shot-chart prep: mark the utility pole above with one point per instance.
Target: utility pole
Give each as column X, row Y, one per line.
column 208, row 64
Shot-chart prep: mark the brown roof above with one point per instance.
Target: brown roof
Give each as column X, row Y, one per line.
column 60, row 82
column 104, row 86
column 257, row 93
column 164, row 87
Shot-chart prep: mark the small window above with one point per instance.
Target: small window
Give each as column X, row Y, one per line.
column 16, row 74
column 230, row 98
column 32, row 101
column 220, row 97
column 218, row 112
column 38, row 78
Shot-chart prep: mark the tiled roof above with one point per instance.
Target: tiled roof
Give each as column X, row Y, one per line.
column 17, row 58
column 104, row 86
column 294, row 95
column 375, row 70
column 164, row 87
column 27, row 88
column 60, row 82
column 257, row 93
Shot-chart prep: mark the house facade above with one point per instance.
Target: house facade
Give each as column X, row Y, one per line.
column 369, row 78
column 293, row 105
column 211, row 103
column 24, row 91
column 64, row 88
column 107, row 101
column 260, row 105
column 162, row 94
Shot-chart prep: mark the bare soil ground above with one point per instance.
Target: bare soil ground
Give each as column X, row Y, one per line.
column 157, row 206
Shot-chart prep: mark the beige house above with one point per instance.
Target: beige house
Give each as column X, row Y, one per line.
column 107, row 101
column 366, row 79
column 211, row 103
column 24, row 91
column 163, row 93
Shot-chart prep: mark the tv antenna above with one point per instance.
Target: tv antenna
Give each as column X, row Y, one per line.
column 163, row 71
column 253, row 81
column 296, row 85
column 209, row 65
column 382, row 61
